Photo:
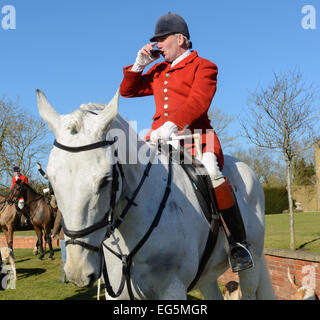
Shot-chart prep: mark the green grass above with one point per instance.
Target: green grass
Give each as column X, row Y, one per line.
column 37, row 280
column 307, row 231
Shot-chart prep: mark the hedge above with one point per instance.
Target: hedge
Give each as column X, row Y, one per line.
column 276, row 199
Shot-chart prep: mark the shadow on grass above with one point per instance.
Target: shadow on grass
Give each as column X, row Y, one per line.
column 84, row 294
column 28, row 272
column 306, row 243
column 22, row 260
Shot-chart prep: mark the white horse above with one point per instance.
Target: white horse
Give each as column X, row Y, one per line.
column 167, row 262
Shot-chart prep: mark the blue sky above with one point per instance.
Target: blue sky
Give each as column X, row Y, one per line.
column 75, row 50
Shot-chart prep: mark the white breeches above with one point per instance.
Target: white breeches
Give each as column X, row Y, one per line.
column 210, row 161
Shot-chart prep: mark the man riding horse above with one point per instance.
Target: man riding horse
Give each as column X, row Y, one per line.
column 183, row 87
column 21, row 209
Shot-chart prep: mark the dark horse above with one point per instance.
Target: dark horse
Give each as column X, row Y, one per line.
column 42, row 215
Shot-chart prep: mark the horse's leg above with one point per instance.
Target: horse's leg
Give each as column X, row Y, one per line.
column 39, row 235
column 265, row 290
column 211, row 291
column 35, row 249
column 49, row 241
column 5, row 231
column 256, row 279
column 10, row 236
column 175, row 291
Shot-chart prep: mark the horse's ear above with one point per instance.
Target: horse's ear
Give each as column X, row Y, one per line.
column 109, row 113
column 47, row 113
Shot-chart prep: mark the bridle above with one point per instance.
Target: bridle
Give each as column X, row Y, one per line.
column 16, row 193
column 111, row 223
column 108, row 218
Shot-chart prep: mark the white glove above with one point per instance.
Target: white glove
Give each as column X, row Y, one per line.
column 38, row 165
column 164, row 132
column 46, row 190
column 142, row 61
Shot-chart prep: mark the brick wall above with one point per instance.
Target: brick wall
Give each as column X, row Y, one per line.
column 24, row 242
column 304, row 268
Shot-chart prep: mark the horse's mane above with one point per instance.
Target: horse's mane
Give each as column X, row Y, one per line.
column 29, row 187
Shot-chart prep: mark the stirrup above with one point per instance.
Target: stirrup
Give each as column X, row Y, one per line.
column 244, row 262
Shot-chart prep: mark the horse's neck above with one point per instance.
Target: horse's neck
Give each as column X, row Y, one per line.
column 31, row 194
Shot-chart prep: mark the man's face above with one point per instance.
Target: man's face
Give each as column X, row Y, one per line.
column 17, row 173
column 170, row 46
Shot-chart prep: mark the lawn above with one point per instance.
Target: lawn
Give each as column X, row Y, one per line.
column 37, row 279
column 307, row 231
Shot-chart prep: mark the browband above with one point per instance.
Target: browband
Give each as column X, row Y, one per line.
column 87, row 147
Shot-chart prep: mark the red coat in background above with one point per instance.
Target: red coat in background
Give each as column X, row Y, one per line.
column 182, row 94
column 21, row 177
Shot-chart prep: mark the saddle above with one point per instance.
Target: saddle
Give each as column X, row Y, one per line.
column 200, row 181
column 204, row 191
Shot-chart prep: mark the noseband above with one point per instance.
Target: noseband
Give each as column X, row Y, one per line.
column 108, row 217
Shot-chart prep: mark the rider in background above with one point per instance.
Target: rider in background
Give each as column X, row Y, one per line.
column 183, row 87
column 48, row 190
column 18, row 176
column 57, row 228
column 21, row 202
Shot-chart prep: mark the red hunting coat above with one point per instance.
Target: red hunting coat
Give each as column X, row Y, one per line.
column 21, row 177
column 182, row 94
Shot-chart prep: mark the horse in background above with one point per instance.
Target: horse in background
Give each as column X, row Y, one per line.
column 42, row 215
column 9, row 218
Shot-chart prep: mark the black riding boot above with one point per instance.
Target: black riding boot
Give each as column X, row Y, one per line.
column 239, row 257
column 26, row 215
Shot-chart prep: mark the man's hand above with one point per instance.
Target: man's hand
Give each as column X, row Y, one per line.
column 144, row 57
column 164, row 132
column 38, row 165
column 46, row 190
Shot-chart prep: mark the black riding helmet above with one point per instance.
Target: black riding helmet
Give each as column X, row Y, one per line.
column 16, row 169
column 170, row 23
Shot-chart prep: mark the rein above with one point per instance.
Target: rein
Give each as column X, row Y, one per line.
column 127, row 259
column 108, row 219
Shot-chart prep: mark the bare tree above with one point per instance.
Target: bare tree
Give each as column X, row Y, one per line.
column 22, row 140
column 220, row 122
column 267, row 168
column 283, row 117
